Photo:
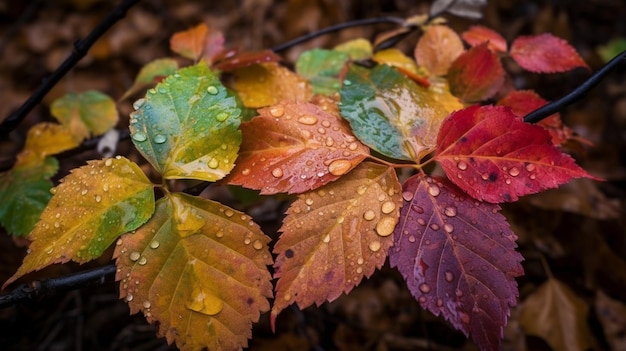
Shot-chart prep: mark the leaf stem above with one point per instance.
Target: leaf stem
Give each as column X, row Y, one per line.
column 576, row 94
column 336, row 28
column 81, row 48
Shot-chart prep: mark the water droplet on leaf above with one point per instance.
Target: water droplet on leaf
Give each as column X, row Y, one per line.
column 307, row 120
column 462, row 165
column 425, row 288
column 326, row 238
column 258, row 245
column 449, row 276
column 159, row 138
column 138, row 104
column 277, row 111
column 369, row 215
column 139, row 136
column 222, row 116
column 154, row 244
column 214, row 163
column 388, row 207
column 385, row 226
column 212, row 90
column 434, row 190
column 450, row 211
column 277, row 172
column 339, row 167
column 374, row 246
column 134, row 256
column 514, row 171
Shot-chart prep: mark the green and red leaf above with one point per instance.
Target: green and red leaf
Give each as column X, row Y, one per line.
column 458, row 258
column 494, row 156
column 545, row 53
column 335, row 236
column 295, row 147
column 198, row 268
column 476, row 74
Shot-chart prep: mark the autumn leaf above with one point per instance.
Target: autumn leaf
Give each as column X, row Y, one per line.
column 236, row 59
column 198, row 42
column 150, row 74
column 268, row 84
column 335, row 236
column 390, row 113
column 91, row 207
column 406, row 65
column 321, row 68
column 295, row 147
column 45, row 139
column 198, row 269
column 476, row 74
column 24, row 193
column 85, row 114
column 187, row 126
column 523, row 102
column 437, row 48
column 554, row 313
column 494, row 156
column 357, row 49
column 458, row 258
column 545, row 53
column 477, row 35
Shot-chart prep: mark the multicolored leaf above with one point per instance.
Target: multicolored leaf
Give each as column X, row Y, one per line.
column 390, row 113
column 545, row 53
column 187, row 126
column 198, row 42
column 335, row 236
column 268, row 84
column 477, row 35
column 321, row 68
column 295, row 147
column 89, row 209
column 458, row 258
column 437, row 48
column 395, row 58
column 150, row 74
column 357, row 49
column 494, row 156
column 476, row 74
column 198, row 269
column 85, row 114
column 24, row 193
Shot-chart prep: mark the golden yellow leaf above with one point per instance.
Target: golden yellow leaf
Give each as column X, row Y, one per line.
column 268, row 84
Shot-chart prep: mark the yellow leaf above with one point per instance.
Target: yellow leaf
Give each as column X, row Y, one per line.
column 396, row 58
column 85, row 114
column 198, row 268
column 268, row 84
column 45, row 139
column 557, row 315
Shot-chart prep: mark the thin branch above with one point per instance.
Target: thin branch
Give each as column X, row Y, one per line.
column 55, row 285
column 81, row 48
column 336, row 28
column 576, row 94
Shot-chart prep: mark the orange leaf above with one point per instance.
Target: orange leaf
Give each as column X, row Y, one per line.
column 438, row 48
column 545, row 53
column 198, row 42
column 477, row 35
column 295, row 147
column 267, row 84
column 245, row 59
column 476, row 74
column 335, row 236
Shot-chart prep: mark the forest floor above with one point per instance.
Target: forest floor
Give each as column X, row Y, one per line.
column 575, row 234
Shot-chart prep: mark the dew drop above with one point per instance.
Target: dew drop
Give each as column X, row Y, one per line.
column 407, row 196
column 258, row 245
column 325, row 124
column 388, row 207
column 508, row 181
column 308, row 201
column 139, row 136
column 425, row 288
column 360, row 260
column 212, row 90
column 449, row 276
column 450, row 211
column 530, row 167
column 277, row 172
column 339, row 167
column 287, row 297
column 138, row 104
column 434, row 226
column 434, row 190
column 421, row 221
column 532, row 176
column 84, row 191
column 247, row 241
column 374, row 246
column 412, row 239
column 146, row 304
column 329, row 141
column 98, row 198
column 326, row 238
column 369, row 215
column 142, row 261
column 159, row 139
column 307, row 120
column 229, row 213
column 385, row 226
column 277, row 111
column 134, row 256
column 214, row 163
column 154, row 244
column 341, row 219
column 222, row 116
column 514, row 171
column 359, row 270
column 485, row 176
column 448, row 228
column 462, row 165
column 108, row 162
column 245, row 171
column 129, row 297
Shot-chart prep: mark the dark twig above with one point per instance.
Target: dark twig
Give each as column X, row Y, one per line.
column 336, row 28
column 576, row 94
column 52, row 286
column 80, row 50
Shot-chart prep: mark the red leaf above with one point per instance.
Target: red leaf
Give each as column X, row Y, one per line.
column 494, row 156
column 244, row 59
column 525, row 101
column 477, row 35
column 458, row 258
column 476, row 75
column 295, row 147
column 545, row 53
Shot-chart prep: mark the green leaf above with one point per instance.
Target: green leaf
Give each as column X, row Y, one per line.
column 150, row 74
column 390, row 113
column 321, row 68
column 611, row 49
column 24, row 193
column 91, row 207
column 85, row 114
column 198, row 268
column 187, row 126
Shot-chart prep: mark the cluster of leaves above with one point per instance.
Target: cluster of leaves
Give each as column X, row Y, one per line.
column 333, row 133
